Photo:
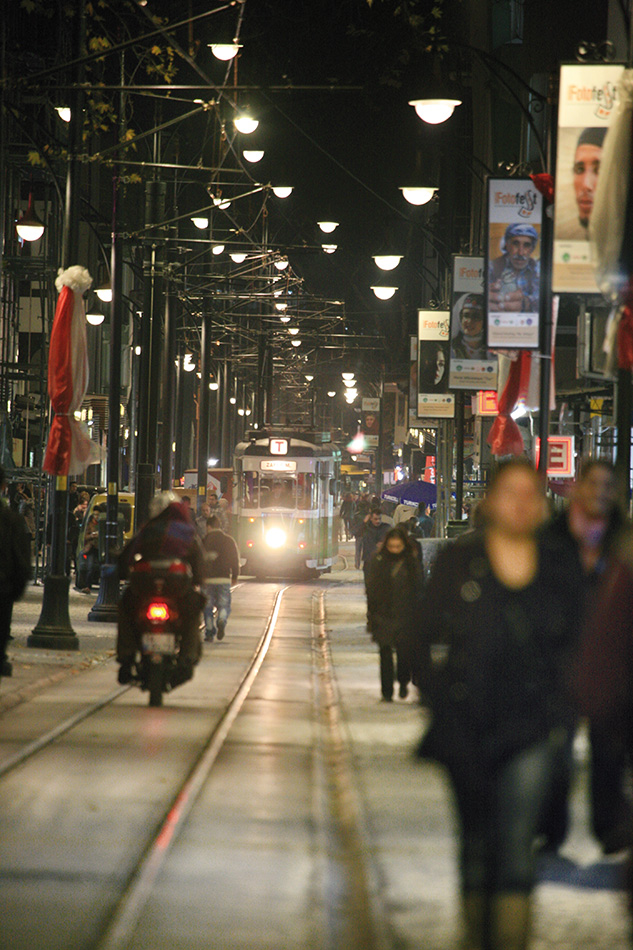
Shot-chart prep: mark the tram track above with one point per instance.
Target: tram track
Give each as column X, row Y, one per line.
column 141, row 881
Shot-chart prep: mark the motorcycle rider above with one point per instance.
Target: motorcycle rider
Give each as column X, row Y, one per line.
column 168, row 534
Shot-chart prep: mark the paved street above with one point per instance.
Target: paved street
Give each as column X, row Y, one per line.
column 403, row 806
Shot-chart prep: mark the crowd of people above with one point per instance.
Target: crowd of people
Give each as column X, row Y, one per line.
column 524, row 626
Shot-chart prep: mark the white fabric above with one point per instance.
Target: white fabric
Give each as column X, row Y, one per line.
column 606, row 225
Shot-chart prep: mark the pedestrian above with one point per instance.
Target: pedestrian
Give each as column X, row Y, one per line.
column 361, row 510
column 589, row 529
column 424, row 520
column 88, row 558
column 345, row 514
column 604, row 678
column 203, row 517
column 393, row 584
column 221, row 568
column 498, row 624
column 15, row 569
column 372, row 535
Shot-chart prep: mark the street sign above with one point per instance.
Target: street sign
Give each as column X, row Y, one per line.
column 560, row 456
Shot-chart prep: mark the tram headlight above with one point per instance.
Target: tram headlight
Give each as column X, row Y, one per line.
column 275, row 537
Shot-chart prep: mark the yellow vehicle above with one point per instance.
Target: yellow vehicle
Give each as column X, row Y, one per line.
column 126, row 519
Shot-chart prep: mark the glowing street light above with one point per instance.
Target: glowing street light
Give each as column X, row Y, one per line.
column 387, row 261
column 245, row 123
column 435, row 111
column 253, row 155
column 225, row 51
column 200, row 222
column 384, row 293
column 418, row 196
column 328, row 226
column 282, row 191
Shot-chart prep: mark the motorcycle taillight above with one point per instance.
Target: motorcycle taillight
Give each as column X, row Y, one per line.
column 158, row 611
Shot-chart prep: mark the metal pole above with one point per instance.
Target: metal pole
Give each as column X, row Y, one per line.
column 546, row 300
column 54, row 630
column 459, row 453
column 167, row 434
column 203, row 410
column 150, row 349
column 105, row 607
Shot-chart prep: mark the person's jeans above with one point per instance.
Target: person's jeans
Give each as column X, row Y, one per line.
column 499, row 822
column 218, row 597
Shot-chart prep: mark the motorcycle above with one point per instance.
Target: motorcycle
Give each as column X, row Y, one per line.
column 158, row 604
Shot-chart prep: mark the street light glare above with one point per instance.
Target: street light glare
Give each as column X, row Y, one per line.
column 237, row 257
column 253, row 155
column 282, row 191
column 329, row 248
column 328, row 226
column 217, row 249
column 95, row 318
column 282, row 263
column 200, row 222
column 435, row 111
column 64, row 113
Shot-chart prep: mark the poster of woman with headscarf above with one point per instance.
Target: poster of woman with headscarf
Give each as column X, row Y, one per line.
column 434, row 400
column 472, row 366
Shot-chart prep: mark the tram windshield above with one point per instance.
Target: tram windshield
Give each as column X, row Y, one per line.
column 266, row 491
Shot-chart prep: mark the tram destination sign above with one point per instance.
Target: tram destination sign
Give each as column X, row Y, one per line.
column 278, row 465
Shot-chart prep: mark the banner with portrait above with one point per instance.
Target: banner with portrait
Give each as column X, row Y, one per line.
column 434, row 399
column 472, row 365
column 513, row 267
column 587, row 99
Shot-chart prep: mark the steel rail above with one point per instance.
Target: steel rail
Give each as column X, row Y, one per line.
column 142, row 879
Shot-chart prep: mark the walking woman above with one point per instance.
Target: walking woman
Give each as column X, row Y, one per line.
column 499, row 622
column 393, row 585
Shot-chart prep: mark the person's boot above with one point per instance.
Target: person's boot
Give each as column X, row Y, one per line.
column 510, row 921
column 474, row 910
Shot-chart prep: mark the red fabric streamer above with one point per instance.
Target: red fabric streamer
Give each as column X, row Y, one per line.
column 544, row 183
column 60, row 386
column 505, row 436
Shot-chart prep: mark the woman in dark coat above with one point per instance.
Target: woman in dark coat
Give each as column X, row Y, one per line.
column 393, row 586
column 501, row 614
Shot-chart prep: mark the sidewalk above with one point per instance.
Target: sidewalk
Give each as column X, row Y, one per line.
column 34, row 668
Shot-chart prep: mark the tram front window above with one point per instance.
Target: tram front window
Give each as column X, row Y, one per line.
column 277, row 493
column 250, row 490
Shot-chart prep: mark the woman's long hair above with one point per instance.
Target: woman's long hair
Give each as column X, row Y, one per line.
column 410, row 552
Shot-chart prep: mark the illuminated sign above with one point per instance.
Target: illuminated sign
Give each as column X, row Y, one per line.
column 278, row 446
column 560, row 456
column 278, row 465
column 486, row 403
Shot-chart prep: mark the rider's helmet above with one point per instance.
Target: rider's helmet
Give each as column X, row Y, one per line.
column 161, row 501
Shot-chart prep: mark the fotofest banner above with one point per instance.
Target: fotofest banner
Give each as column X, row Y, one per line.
column 434, row 400
column 513, row 275
column 471, row 366
column 587, row 100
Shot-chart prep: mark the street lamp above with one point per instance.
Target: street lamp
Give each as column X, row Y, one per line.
column 200, row 222
column 387, row 261
column 282, row 191
column 245, row 123
column 329, row 248
column 29, row 226
column 328, row 226
column 225, row 51
column 417, row 196
column 435, row 111
column 384, row 293
column 253, row 155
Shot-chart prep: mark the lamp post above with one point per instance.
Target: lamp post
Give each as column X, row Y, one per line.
column 53, row 629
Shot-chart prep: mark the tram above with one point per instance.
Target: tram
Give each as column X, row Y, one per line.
column 285, row 483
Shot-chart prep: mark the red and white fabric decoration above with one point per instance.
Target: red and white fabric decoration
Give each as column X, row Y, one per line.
column 69, row 449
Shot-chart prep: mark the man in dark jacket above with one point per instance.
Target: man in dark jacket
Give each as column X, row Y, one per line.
column 222, row 566
column 15, row 570
column 372, row 534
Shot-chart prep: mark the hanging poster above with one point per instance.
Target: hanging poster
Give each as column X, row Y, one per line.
column 471, row 366
column 434, row 399
column 587, row 100
column 513, row 263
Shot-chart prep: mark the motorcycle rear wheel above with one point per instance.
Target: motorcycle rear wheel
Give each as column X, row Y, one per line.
column 155, row 683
